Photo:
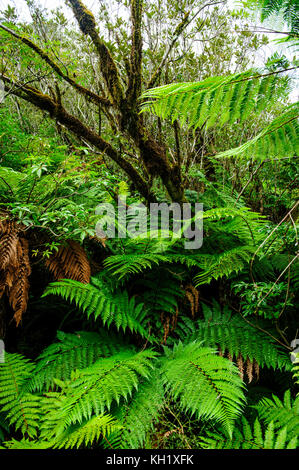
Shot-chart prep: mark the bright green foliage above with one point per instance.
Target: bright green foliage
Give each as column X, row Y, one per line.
column 96, row 387
column 124, row 265
column 278, row 139
column 25, row 444
column 224, row 264
column 232, row 334
column 214, row 100
column 21, row 408
column 205, row 384
column 228, row 99
column 288, row 8
column 283, row 413
column 248, row 436
column 89, row 432
column 99, row 301
column 72, row 352
column 131, row 386
column 138, row 416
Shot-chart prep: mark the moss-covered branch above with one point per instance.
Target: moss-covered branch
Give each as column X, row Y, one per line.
column 84, row 91
column 73, row 124
column 109, row 70
column 135, row 75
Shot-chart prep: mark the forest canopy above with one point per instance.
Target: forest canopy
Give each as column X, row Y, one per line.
column 128, row 342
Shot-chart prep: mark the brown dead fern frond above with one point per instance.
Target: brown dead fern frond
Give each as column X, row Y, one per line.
column 192, row 295
column 8, row 243
column 70, row 262
column 18, row 292
column 249, row 370
column 240, row 364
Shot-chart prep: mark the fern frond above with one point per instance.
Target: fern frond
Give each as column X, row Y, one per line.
column 224, row 264
column 278, row 139
column 72, row 352
column 113, row 308
column 94, row 389
column 246, row 436
column 25, row 444
column 204, row 384
column 283, row 413
column 20, row 408
column 69, row 262
column 237, row 337
column 87, row 433
column 216, row 99
column 138, row 416
column 125, row 265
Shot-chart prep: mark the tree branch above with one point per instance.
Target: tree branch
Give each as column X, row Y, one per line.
column 134, row 85
column 109, row 70
column 178, row 31
column 84, row 91
column 73, row 124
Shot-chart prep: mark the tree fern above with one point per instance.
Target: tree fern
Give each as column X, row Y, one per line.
column 87, row 433
column 138, row 416
column 94, row 389
column 224, row 264
column 205, row 384
column 288, row 8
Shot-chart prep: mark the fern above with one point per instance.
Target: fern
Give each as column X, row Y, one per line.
column 138, row 416
column 216, row 99
column 26, row 444
column 236, row 337
column 73, row 351
column 282, row 413
column 20, row 408
column 98, row 300
column 205, row 384
column 246, row 436
column 96, row 388
column 288, row 8
column 87, row 433
column 224, row 264
column 278, row 139
column 124, row 265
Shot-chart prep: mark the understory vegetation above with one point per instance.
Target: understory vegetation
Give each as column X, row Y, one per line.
column 140, row 342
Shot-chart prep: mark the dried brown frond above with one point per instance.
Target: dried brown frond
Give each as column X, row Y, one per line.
column 240, row 364
column 8, row 243
column 165, row 320
column 192, row 304
column 70, row 262
column 256, row 369
column 229, row 356
column 192, row 295
column 174, row 319
column 249, row 370
column 18, row 292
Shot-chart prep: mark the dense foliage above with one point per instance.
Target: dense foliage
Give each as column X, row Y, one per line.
column 139, row 342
